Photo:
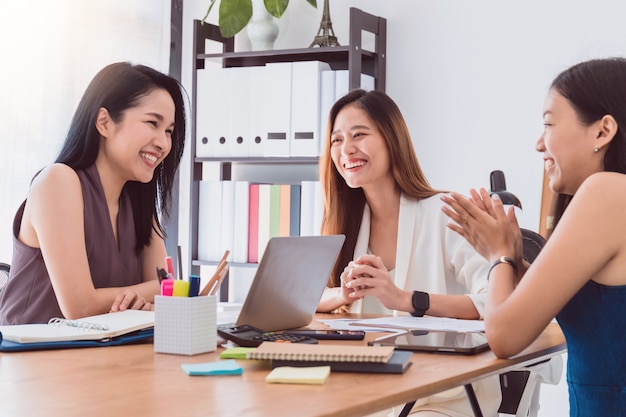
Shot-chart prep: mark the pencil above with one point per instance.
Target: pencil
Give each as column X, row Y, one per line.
column 180, row 264
column 226, row 253
column 207, row 288
column 218, row 284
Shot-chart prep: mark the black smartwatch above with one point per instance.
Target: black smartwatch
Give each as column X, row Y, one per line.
column 421, row 303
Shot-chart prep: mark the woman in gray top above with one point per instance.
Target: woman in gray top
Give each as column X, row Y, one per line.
column 87, row 240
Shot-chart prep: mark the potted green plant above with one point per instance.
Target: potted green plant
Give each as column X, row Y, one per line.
column 234, row 15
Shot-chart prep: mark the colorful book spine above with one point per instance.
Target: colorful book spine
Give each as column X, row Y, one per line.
column 294, row 207
column 274, row 210
column 253, row 224
column 285, row 210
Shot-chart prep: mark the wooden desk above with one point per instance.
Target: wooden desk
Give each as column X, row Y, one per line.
column 135, row 381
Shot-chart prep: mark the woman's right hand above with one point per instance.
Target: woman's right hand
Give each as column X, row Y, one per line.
column 483, row 222
column 346, row 276
column 129, row 299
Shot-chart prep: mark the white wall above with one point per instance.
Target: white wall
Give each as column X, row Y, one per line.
column 50, row 51
column 470, row 78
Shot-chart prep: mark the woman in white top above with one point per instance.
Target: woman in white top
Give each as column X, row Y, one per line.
column 399, row 254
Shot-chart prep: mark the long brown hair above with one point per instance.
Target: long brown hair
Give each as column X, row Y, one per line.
column 343, row 206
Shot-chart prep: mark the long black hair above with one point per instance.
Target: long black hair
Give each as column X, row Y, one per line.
column 118, row 87
column 594, row 89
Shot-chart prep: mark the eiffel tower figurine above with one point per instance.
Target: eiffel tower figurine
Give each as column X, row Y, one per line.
column 325, row 34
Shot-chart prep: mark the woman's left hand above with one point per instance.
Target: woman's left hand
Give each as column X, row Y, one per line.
column 369, row 276
column 483, row 222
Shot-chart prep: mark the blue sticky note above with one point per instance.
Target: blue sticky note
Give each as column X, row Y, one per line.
column 227, row 367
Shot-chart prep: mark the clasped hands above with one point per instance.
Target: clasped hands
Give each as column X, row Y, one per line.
column 367, row 275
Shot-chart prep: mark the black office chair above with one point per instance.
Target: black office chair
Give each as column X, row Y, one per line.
column 4, row 274
column 520, row 388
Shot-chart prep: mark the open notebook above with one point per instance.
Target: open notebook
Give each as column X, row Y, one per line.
column 100, row 327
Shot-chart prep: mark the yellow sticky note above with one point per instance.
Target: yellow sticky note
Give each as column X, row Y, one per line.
column 298, row 375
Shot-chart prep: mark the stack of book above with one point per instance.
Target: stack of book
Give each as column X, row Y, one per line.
column 340, row 358
column 244, row 216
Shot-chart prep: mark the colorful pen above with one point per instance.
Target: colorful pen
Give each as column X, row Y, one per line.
column 170, row 266
column 194, row 285
column 167, row 287
column 180, row 263
column 181, row 288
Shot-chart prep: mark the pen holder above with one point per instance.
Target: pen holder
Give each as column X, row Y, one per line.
column 185, row 325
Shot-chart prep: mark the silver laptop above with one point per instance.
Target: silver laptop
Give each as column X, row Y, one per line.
column 289, row 282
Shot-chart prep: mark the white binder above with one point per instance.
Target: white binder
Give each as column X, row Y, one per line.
column 307, row 208
column 210, row 221
column 238, row 111
column 305, row 107
column 327, row 99
column 211, row 113
column 228, row 218
column 240, row 224
column 258, row 132
column 277, row 108
column 264, row 218
column 318, row 208
column 342, row 83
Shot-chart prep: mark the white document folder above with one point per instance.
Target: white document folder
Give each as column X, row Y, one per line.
column 305, row 107
column 211, row 113
column 238, row 110
column 327, row 99
column 264, row 218
column 210, row 221
column 307, row 208
column 277, row 108
column 228, row 218
column 342, row 83
column 258, row 132
column 240, row 224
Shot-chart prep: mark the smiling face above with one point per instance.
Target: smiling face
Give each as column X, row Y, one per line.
column 135, row 145
column 359, row 151
column 567, row 145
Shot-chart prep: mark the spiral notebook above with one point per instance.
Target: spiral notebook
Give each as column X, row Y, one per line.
column 330, row 353
column 100, row 327
column 399, row 362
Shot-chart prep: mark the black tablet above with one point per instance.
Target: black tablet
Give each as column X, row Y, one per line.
column 435, row 341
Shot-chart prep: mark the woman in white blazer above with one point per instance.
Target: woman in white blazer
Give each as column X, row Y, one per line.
column 399, row 256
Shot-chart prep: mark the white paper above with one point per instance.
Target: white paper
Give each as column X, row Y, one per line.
column 408, row 323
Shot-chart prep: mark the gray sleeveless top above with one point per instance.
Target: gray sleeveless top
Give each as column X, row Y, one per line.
column 28, row 297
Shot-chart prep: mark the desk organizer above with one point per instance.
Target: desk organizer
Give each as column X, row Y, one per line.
column 185, row 325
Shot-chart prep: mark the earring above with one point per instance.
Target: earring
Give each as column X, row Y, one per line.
column 596, row 150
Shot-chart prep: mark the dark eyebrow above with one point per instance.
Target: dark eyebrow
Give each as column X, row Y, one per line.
column 356, row 127
column 159, row 117
column 156, row 115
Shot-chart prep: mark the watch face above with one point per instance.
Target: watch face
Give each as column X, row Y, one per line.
column 421, row 303
column 421, row 300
